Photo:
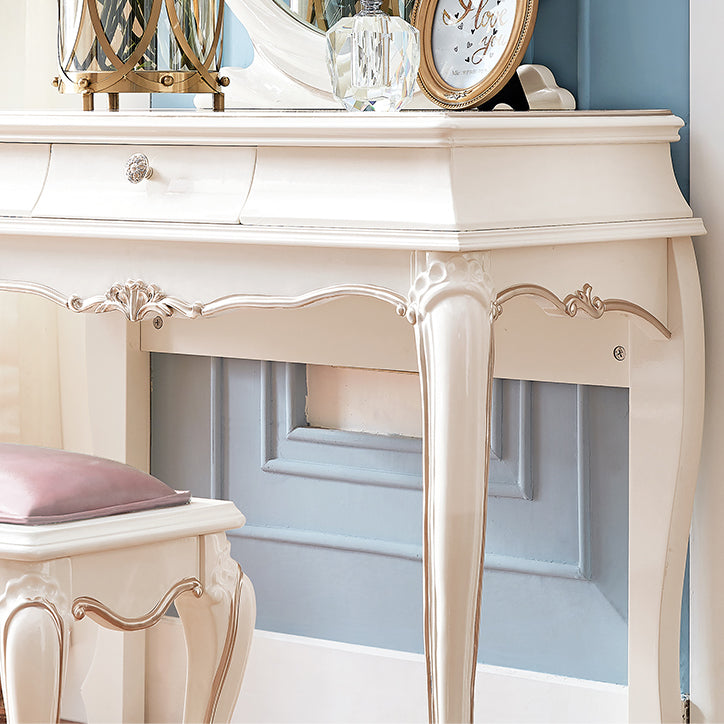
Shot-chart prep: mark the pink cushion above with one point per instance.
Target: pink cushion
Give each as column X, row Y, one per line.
column 39, row 485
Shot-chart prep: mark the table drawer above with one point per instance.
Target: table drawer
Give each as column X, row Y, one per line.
column 191, row 184
column 22, row 171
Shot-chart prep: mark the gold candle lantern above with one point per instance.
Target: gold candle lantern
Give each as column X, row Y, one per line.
column 140, row 46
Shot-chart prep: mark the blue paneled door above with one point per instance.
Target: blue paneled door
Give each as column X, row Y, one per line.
column 333, row 534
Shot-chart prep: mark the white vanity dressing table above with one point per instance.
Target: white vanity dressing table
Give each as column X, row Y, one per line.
column 544, row 246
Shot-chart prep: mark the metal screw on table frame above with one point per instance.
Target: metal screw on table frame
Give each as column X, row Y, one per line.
column 157, row 322
column 619, row 353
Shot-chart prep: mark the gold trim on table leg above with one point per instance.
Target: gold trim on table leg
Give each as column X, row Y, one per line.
column 488, row 410
column 57, row 620
column 86, row 606
column 422, row 368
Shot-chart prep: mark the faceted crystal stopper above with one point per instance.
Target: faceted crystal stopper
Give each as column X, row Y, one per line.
column 373, row 59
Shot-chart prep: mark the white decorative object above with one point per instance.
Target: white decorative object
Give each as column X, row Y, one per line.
column 123, row 572
column 542, row 91
column 424, row 270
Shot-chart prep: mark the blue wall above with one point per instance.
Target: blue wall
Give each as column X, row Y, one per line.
column 620, row 54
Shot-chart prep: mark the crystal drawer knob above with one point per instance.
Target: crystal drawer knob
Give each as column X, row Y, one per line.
column 138, row 168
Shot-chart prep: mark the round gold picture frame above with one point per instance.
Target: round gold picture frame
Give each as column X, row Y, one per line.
column 470, row 49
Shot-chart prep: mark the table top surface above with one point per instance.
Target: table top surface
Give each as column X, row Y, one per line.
column 339, row 128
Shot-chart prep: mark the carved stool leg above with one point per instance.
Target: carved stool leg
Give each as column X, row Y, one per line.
column 33, row 643
column 34, row 633
column 451, row 301
column 666, row 416
column 218, row 628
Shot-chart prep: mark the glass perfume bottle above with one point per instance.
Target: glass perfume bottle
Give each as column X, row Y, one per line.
column 373, row 59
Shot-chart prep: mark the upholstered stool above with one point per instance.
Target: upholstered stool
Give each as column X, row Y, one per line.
column 86, row 537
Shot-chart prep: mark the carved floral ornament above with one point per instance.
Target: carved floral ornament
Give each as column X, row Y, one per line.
column 443, row 278
column 459, row 274
column 583, row 300
column 137, row 300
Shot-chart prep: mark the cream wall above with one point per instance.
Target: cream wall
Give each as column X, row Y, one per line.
column 29, row 378
column 28, row 53
column 340, row 398
column 28, row 31
column 38, row 404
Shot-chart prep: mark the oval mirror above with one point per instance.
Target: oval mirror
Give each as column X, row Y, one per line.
column 323, row 14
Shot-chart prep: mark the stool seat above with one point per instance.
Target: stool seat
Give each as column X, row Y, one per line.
column 122, row 572
column 54, row 540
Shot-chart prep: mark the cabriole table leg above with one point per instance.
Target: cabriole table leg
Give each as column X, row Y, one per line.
column 451, row 303
column 666, row 418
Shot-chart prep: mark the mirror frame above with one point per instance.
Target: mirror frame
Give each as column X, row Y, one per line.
column 285, row 41
column 442, row 93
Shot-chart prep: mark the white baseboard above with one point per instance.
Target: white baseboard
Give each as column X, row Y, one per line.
column 298, row 679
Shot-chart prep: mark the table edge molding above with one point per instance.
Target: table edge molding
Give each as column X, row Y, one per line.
column 371, row 239
column 412, row 129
